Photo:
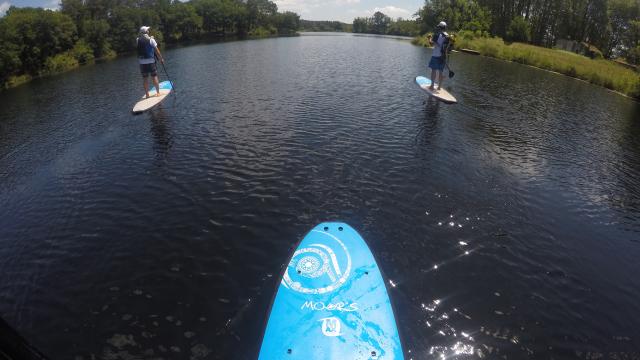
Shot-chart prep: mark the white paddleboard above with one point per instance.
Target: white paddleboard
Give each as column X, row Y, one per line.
column 148, row 102
column 442, row 94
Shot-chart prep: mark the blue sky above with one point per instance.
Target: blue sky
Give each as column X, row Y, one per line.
column 343, row 10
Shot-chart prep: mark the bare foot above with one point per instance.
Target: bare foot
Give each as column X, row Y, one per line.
column 431, row 88
column 147, row 96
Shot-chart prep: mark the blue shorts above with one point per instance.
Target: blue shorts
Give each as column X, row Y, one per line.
column 436, row 63
column 147, row 69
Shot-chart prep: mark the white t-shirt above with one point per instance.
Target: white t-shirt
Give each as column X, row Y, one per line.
column 437, row 46
column 155, row 45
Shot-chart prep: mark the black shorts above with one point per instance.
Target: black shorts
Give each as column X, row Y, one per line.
column 147, row 69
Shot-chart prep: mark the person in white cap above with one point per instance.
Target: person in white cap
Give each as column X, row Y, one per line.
column 440, row 43
column 147, row 53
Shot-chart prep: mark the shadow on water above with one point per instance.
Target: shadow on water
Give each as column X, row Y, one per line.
column 162, row 137
column 428, row 128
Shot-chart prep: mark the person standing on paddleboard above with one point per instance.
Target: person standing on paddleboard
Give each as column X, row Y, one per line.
column 147, row 53
column 440, row 43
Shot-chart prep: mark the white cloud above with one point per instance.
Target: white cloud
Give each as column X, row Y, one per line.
column 299, row 6
column 4, row 7
column 392, row 12
column 52, row 5
column 316, row 9
column 342, row 10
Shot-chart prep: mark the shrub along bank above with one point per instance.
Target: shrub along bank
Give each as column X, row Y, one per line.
column 37, row 42
column 596, row 71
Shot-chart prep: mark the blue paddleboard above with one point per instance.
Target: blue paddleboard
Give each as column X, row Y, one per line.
column 332, row 303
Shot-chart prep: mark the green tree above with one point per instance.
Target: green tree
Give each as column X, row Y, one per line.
column 287, row 22
column 360, row 25
column 458, row 14
column 633, row 55
column 181, row 22
column 519, row 30
column 35, row 41
column 632, row 50
column 379, row 23
column 260, row 11
column 403, row 27
column 82, row 52
column 213, row 13
column 9, row 52
column 76, row 10
column 125, row 23
column 37, row 34
column 622, row 14
column 96, row 34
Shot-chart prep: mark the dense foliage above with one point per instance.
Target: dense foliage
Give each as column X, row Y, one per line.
column 458, row 14
column 35, row 41
column 613, row 26
column 335, row 26
column 610, row 25
column 382, row 24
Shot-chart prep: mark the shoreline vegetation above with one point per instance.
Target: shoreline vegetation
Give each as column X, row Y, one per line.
column 597, row 41
column 598, row 71
column 36, row 42
column 324, row 26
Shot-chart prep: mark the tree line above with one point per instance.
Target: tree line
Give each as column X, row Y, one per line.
column 382, row 24
column 613, row 26
column 35, row 41
column 326, row 26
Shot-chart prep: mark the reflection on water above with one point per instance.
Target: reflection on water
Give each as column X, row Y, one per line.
column 507, row 224
column 160, row 131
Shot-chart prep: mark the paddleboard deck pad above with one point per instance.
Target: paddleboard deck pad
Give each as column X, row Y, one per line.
column 442, row 94
column 147, row 103
column 332, row 303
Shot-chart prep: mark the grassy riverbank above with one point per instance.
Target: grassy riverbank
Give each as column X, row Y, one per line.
column 601, row 72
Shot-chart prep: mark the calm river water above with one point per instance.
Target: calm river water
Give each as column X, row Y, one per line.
column 163, row 235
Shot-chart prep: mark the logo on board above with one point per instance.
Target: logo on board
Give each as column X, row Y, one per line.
column 320, row 267
column 331, row 326
column 321, row 306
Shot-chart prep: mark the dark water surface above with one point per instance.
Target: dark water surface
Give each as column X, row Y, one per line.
column 163, row 235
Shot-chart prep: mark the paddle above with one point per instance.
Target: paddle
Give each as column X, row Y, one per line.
column 446, row 64
column 173, row 87
column 451, row 73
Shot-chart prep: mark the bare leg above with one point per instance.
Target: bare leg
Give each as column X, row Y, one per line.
column 433, row 79
column 145, row 82
column 155, row 82
column 441, row 77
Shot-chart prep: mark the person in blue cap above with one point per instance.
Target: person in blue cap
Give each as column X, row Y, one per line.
column 440, row 43
column 147, row 53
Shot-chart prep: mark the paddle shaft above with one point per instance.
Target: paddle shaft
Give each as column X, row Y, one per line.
column 165, row 72
column 168, row 77
column 446, row 63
